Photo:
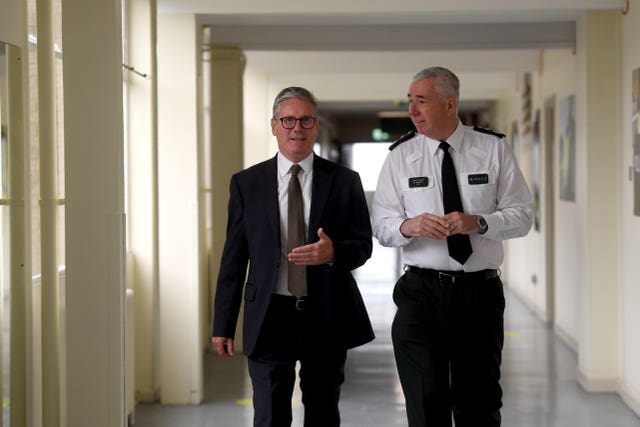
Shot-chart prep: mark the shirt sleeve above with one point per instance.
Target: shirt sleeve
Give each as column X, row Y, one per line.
column 387, row 209
column 514, row 212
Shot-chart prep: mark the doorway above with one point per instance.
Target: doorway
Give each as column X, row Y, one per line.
column 549, row 203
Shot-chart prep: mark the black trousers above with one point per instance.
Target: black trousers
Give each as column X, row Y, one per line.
column 286, row 338
column 448, row 339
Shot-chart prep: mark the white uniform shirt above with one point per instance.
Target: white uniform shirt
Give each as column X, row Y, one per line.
column 305, row 176
column 491, row 184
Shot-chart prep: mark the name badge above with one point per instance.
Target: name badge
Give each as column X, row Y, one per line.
column 479, row 178
column 418, row 181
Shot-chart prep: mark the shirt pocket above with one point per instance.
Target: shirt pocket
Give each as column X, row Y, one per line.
column 479, row 191
column 420, row 195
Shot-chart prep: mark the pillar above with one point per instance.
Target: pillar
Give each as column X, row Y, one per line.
column 179, row 176
column 226, row 142
column 95, row 244
column 598, row 130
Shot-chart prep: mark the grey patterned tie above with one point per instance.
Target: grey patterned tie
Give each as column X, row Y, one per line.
column 297, row 282
column 459, row 244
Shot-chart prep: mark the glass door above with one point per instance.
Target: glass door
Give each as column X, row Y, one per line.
column 5, row 288
column 12, row 261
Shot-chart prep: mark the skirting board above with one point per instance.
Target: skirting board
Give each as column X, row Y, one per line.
column 597, row 384
column 147, row 395
column 566, row 338
column 630, row 396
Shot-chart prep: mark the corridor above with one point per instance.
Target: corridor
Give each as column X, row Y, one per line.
column 539, row 378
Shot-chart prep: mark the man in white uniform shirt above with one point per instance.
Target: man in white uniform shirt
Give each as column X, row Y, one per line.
column 448, row 331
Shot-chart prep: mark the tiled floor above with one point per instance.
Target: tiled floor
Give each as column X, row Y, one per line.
column 539, row 381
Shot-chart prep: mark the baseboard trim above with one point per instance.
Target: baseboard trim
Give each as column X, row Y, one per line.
column 146, row 395
column 630, row 396
column 597, row 384
column 566, row 338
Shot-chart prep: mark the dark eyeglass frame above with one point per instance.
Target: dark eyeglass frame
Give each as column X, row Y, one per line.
column 305, row 122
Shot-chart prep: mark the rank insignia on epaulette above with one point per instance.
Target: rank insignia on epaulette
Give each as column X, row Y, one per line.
column 407, row 136
column 489, row 131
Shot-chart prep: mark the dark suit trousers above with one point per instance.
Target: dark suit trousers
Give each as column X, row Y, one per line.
column 285, row 339
column 447, row 340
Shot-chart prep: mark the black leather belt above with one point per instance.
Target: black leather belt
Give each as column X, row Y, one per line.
column 297, row 303
column 453, row 276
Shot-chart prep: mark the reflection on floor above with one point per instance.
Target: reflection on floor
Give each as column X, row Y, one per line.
column 539, row 380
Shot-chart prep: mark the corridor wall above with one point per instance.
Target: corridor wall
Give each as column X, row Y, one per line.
column 629, row 381
column 577, row 308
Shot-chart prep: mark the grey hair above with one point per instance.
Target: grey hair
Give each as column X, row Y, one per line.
column 294, row 92
column 446, row 83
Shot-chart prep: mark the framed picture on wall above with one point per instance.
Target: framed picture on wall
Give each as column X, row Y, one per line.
column 535, row 167
column 514, row 136
column 567, row 147
column 635, row 137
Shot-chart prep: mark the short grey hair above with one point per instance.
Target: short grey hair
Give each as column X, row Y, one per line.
column 446, row 83
column 294, row 92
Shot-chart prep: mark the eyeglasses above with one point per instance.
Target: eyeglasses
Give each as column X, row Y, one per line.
column 305, row 122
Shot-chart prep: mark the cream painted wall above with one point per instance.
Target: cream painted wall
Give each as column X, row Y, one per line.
column 585, row 324
column 525, row 256
column 577, row 218
column 630, row 224
column 13, row 22
column 604, row 332
column 258, row 142
column 259, row 92
column 338, row 87
column 376, row 86
column 559, row 79
column 518, row 265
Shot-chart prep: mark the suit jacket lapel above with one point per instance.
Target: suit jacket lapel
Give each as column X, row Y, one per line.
column 322, row 182
column 269, row 200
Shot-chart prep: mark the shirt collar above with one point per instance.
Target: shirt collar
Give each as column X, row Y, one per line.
column 454, row 140
column 284, row 164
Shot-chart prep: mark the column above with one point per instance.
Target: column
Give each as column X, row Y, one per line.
column 226, row 146
column 50, row 324
column 599, row 62
column 94, row 153
column 179, row 176
column 143, row 189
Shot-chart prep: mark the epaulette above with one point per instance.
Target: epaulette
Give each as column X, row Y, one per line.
column 407, row 136
column 488, row 131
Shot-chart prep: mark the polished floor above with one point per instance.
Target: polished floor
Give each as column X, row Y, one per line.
column 539, row 381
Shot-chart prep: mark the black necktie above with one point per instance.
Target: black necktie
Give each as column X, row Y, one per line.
column 459, row 244
column 297, row 279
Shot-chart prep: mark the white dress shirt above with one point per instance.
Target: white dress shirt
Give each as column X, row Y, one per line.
column 305, row 176
column 491, row 184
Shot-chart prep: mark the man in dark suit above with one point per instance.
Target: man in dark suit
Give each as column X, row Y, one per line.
column 327, row 315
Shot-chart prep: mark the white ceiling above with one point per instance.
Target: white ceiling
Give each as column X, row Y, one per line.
column 368, row 50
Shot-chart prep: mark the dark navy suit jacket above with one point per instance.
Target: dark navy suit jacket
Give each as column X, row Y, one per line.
column 338, row 206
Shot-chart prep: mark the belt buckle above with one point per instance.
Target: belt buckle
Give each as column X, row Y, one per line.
column 442, row 277
column 300, row 304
